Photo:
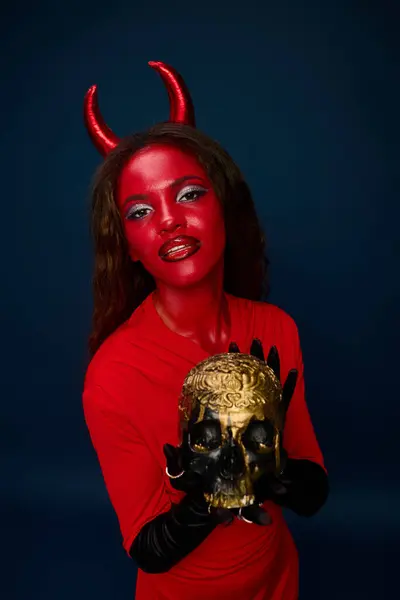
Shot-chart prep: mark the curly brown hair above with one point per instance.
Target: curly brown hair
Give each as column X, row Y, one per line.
column 119, row 284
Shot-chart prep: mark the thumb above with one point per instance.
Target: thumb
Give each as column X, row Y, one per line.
column 174, row 459
column 256, row 514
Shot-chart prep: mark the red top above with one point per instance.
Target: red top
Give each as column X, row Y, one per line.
column 130, row 403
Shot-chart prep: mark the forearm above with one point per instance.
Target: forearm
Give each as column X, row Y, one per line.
column 305, row 487
column 171, row 536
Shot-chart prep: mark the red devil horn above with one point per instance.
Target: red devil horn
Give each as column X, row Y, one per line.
column 101, row 135
column 180, row 101
column 181, row 108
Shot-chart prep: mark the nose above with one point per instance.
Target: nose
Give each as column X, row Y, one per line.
column 171, row 220
column 232, row 463
column 169, row 226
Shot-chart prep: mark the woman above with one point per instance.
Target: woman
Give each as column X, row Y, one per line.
column 179, row 273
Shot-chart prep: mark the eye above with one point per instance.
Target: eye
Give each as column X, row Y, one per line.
column 259, row 437
column 138, row 211
column 190, row 193
column 205, row 436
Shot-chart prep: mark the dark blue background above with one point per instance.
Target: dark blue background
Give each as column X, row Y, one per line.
column 306, row 99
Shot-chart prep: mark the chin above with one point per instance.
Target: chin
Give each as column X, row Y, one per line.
column 183, row 282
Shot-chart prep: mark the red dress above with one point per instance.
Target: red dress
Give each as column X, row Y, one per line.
column 130, row 403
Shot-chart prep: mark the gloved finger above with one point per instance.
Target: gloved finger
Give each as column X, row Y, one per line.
column 283, row 459
column 173, row 457
column 274, row 362
column 256, row 349
column 233, row 347
column 180, row 479
column 289, row 387
column 255, row 514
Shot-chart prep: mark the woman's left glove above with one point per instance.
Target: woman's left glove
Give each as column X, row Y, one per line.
column 301, row 485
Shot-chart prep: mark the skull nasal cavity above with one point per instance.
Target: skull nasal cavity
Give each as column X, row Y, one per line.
column 232, row 463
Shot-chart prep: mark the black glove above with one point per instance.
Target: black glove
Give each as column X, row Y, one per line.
column 171, row 536
column 303, row 487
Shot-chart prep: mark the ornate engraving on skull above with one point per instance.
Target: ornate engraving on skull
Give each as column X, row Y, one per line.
column 230, row 408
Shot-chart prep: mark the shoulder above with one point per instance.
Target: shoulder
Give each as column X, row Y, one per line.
column 277, row 318
column 267, row 317
column 108, row 353
column 274, row 326
column 274, row 312
column 112, row 374
column 122, row 351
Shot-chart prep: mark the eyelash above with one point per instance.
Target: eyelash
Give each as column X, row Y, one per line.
column 138, row 208
column 200, row 191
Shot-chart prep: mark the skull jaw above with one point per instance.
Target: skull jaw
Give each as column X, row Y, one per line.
column 233, row 494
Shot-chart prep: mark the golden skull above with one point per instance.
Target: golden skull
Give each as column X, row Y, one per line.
column 231, row 420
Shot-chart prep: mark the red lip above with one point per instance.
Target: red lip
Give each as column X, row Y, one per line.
column 191, row 243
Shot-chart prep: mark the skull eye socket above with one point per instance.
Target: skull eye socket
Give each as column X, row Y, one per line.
column 259, row 437
column 205, row 436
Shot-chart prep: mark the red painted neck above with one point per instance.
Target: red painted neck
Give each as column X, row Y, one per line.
column 199, row 312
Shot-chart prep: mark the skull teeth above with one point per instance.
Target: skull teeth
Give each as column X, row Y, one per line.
column 229, row 501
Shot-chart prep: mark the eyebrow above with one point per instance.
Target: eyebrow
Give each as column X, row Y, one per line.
column 185, row 178
column 174, row 184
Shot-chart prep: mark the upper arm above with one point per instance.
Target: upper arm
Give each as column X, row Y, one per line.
column 133, row 478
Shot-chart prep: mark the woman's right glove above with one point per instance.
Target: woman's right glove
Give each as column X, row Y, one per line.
column 171, row 536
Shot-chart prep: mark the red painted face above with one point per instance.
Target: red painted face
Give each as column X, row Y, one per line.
column 172, row 217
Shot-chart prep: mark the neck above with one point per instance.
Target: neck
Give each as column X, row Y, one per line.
column 199, row 312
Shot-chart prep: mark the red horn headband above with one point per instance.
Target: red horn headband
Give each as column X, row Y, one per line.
column 181, row 108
